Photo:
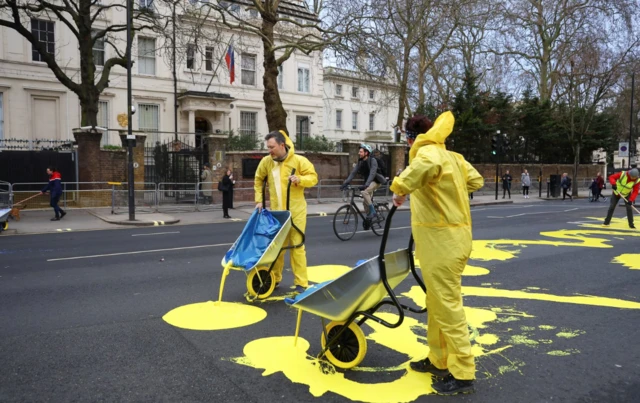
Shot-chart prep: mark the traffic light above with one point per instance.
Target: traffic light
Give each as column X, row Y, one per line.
column 505, row 145
column 494, row 145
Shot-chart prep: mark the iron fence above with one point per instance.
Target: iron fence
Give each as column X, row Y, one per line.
column 36, row 144
column 6, row 194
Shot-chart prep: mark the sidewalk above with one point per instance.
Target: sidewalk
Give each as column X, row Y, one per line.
column 38, row 221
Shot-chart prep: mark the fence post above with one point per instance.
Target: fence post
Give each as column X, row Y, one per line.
column 319, row 189
column 548, row 189
column 195, row 205
column 64, row 195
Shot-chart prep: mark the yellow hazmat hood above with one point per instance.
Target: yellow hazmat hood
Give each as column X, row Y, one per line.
column 442, row 128
column 288, row 142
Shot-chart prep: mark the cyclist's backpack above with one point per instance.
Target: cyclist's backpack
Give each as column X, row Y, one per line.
column 382, row 167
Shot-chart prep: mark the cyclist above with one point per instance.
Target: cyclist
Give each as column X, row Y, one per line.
column 367, row 166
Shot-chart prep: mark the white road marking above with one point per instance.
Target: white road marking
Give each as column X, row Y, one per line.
column 139, row 252
column 537, row 212
column 156, row 233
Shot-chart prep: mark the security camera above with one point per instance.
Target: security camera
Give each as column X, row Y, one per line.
column 133, row 109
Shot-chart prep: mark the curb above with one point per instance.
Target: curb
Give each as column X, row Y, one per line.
column 137, row 223
column 492, row 203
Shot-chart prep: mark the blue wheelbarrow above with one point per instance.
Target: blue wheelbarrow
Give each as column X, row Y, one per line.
column 358, row 293
column 261, row 280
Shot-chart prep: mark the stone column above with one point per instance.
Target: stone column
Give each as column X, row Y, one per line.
column 192, row 122
column 217, row 145
column 398, row 152
column 138, row 158
column 351, row 147
column 89, row 170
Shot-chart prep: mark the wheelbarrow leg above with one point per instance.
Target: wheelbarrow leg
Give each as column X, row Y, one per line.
column 295, row 338
column 225, row 273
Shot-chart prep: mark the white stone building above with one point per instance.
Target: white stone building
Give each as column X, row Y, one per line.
column 358, row 108
column 33, row 104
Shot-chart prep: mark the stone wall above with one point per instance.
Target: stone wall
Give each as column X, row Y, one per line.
column 96, row 165
column 488, row 171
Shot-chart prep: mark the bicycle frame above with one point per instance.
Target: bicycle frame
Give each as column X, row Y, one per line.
column 354, row 205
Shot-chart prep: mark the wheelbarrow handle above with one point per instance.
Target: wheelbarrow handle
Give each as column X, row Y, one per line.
column 293, row 172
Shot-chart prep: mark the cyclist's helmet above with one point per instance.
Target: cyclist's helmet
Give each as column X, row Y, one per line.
column 367, row 148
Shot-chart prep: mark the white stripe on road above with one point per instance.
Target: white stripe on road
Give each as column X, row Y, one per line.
column 157, row 233
column 139, row 252
column 539, row 212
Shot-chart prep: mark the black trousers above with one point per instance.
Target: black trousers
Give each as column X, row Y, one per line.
column 612, row 207
column 565, row 194
column 525, row 190
column 54, row 203
column 227, row 202
column 506, row 189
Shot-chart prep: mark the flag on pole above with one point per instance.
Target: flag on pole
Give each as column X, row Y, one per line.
column 231, row 64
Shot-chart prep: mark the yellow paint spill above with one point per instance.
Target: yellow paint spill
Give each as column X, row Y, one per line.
column 527, row 328
column 546, row 327
column 520, row 339
column 475, row 271
column 545, row 341
column 507, row 319
column 580, row 299
column 277, row 354
column 533, row 288
column 569, row 334
column 487, row 339
column 214, row 316
column 319, row 274
column 630, row 260
column 563, row 353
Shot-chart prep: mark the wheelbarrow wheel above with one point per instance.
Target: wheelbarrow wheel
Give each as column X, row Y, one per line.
column 261, row 282
column 5, row 225
column 377, row 225
column 350, row 348
column 345, row 222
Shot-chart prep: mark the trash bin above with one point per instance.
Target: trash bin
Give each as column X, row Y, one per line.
column 554, row 185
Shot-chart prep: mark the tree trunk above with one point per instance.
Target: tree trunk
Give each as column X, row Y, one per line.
column 88, row 96
column 276, row 115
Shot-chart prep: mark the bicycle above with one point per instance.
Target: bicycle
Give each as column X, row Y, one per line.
column 345, row 219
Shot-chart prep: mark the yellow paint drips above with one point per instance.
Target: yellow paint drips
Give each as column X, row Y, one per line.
column 591, row 300
column 546, row 327
column 319, row 274
column 474, row 271
column 487, row 339
column 563, row 353
column 569, row 334
column 277, row 354
column 521, row 339
column 214, row 316
column 630, row 260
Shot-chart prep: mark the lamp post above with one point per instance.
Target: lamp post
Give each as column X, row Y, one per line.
column 130, row 112
column 633, row 81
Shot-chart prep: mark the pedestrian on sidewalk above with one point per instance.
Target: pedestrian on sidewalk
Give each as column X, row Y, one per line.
column 526, row 182
column 276, row 168
column 227, row 192
column 600, row 183
column 438, row 180
column 55, row 187
column 207, row 183
column 506, row 184
column 624, row 184
column 565, row 184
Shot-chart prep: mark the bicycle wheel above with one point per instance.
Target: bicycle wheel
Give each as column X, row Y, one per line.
column 377, row 224
column 345, row 222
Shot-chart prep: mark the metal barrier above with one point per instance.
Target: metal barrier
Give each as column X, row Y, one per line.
column 6, row 195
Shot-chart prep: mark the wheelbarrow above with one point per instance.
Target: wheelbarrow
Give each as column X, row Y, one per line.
column 358, row 293
column 4, row 219
column 260, row 277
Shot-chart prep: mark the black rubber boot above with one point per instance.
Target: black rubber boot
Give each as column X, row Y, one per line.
column 426, row 366
column 452, row 386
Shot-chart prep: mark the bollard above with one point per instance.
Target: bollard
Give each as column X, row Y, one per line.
column 548, row 189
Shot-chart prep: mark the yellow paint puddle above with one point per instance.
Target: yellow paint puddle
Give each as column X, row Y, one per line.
column 630, row 260
column 474, row 271
column 546, row 327
column 578, row 299
column 214, row 316
column 322, row 273
column 570, row 334
column 563, row 353
column 277, row 354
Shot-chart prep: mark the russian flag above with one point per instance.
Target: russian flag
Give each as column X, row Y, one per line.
column 231, row 64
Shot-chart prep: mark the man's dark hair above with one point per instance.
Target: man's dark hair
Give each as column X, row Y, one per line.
column 277, row 136
column 418, row 124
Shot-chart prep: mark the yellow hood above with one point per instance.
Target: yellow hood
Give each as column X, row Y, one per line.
column 442, row 128
column 288, row 142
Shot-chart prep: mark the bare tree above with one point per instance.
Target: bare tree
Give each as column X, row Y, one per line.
column 80, row 18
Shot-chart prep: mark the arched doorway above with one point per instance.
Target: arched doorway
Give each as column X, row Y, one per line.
column 202, row 127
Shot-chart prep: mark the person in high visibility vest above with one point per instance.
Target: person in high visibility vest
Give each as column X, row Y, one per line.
column 625, row 184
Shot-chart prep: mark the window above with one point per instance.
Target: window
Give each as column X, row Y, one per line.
column 338, row 119
column 148, row 4
column 372, row 95
column 147, row 56
column 354, row 120
column 149, row 121
column 98, row 50
column 372, row 118
column 1, row 116
column 354, row 92
column 338, row 90
column 302, row 128
column 253, row 13
column 43, row 31
column 248, row 123
column 103, row 121
column 248, row 69
column 303, row 78
column 191, row 53
column 208, row 58
column 280, row 77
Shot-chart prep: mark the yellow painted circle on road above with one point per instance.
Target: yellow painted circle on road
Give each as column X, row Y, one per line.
column 214, row 316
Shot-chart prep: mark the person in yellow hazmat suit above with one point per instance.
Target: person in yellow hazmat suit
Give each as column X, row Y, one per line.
column 439, row 182
column 276, row 168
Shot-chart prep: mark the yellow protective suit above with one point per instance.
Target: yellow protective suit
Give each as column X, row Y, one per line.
column 277, row 175
column 439, row 182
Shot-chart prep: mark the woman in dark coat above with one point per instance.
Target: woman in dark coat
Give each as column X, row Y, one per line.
column 227, row 193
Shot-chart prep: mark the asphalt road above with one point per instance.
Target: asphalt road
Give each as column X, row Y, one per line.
column 81, row 315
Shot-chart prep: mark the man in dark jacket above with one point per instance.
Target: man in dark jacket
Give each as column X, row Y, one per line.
column 506, row 184
column 55, row 187
column 565, row 184
column 367, row 167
